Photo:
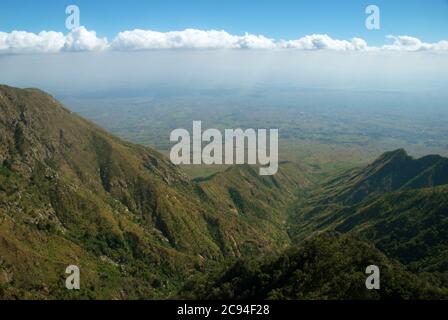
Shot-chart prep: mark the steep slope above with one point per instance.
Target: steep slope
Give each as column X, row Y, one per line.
column 393, row 171
column 258, row 200
column 395, row 203
column 324, row 267
column 410, row 226
column 70, row 193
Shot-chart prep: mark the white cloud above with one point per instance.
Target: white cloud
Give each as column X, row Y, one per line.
column 325, row 42
column 22, row 42
column 17, row 42
column 188, row 39
column 359, row 44
column 81, row 39
column 407, row 43
column 250, row 41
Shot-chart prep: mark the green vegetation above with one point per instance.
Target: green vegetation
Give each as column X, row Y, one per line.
column 324, row 267
column 70, row 193
column 397, row 203
column 139, row 228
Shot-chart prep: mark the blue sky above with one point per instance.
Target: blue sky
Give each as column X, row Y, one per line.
column 415, row 59
column 281, row 19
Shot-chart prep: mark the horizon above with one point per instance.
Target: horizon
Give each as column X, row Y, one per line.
column 250, row 151
column 101, row 46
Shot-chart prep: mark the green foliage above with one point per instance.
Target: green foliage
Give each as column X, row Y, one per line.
column 324, row 267
column 78, row 195
column 19, row 138
column 71, row 193
column 395, row 203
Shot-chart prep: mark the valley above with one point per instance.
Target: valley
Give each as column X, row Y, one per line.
column 140, row 227
column 325, row 129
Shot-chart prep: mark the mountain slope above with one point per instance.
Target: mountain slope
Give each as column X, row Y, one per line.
column 324, row 267
column 71, row 193
column 410, row 226
column 257, row 200
column 397, row 203
column 393, row 171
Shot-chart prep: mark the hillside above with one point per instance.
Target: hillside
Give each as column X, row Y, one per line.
column 138, row 227
column 392, row 213
column 397, row 203
column 71, row 193
column 324, row 267
column 259, row 200
column 409, row 226
column 392, row 171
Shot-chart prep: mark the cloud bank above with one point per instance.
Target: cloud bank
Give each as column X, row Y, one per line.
column 18, row 42
column 83, row 40
column 406, row 43
column 22, row 42
column 188, row 39
column 324, row 42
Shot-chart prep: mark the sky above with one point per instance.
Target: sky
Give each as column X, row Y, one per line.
column 224, row 44
column 280, row 19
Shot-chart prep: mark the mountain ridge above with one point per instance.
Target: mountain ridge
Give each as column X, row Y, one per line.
column 138, row 227
column 392, row 171
column 397, row 202
column 64, row 180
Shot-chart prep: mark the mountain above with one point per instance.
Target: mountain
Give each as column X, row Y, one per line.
column 323, row 267
column 398, row 203
column 258, row 200
column 138, row 227
column 409, row 226
column 71, row 193
column 392, row 213
column 392, row 171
